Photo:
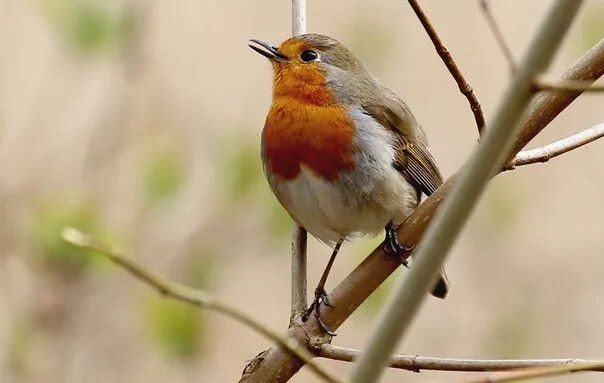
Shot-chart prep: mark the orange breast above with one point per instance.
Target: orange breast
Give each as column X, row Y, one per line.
column 298, row 133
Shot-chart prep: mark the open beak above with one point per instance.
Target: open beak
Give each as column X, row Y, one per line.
column 268, row 51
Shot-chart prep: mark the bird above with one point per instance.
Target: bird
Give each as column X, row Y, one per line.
column 342, row 153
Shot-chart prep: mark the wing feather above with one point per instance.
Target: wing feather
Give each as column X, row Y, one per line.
column 413, row 158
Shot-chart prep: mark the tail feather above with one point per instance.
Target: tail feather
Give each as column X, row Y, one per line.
column 441, row 289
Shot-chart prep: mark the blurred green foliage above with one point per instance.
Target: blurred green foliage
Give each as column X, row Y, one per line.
column 280, row 223
column 174, row 326
column 500, row 209
column 178, row 329
column 244, row 173
column 163, row 174
column 48, row 222
column 592, row 25
column 19, row 347
column 90, row 26
column 203, row 267
column 244, row 181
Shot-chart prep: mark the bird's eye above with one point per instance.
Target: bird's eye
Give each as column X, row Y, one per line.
column 309, row 55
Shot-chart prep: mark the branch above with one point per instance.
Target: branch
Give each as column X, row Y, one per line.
column 539, row 372
column 279, row 366
column 417, row 363
column 505, row 48
column 298, row 303
column 194, row 297
column 547, row 152
column 547, row 105
column 298, row 17
column 299, row 236
column 443, row 52
column 542, row 84
column 404, row 303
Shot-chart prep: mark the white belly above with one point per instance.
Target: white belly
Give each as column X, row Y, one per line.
column 331, row 214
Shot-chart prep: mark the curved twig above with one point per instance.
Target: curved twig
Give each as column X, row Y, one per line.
column 547, row 152
column 463, row 84
column 195, row 297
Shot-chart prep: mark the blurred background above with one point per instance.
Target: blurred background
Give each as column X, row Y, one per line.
column 139, row 122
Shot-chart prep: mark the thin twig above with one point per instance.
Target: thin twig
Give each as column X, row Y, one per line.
column 445, row 55
column 547, row 152
column 408, row 295
column 540, row 372
column 542, row 83
column 298, row 17
column 194, row 297
column 276, row 365
column 299, row 236
column 298, row 269
column 505, row 48
column 417, row 363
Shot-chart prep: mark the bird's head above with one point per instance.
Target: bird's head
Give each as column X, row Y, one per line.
column 315, row 68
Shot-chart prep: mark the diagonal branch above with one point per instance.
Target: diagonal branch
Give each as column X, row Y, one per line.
column 278, row 366
column 547, row 152
column 417, row 363
column 505, row 48
column 445, row 55
column 198, row 298
column 540, row 372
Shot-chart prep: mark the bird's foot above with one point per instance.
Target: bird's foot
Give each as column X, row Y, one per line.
column 393, row 247
column 315, row 308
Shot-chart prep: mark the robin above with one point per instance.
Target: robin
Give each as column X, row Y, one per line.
column 342, row 153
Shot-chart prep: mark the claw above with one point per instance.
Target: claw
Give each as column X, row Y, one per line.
column 321, row 297
column 323, row 325
column 392, row 246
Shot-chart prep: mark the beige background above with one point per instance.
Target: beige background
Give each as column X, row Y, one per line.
column 92, row 127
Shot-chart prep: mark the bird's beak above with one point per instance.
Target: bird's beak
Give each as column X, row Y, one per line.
column 268, row 51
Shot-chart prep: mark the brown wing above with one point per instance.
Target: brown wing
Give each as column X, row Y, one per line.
column 413, row 158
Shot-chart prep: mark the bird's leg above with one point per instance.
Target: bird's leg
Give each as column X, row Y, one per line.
column 321, row 294
column 392, row 246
